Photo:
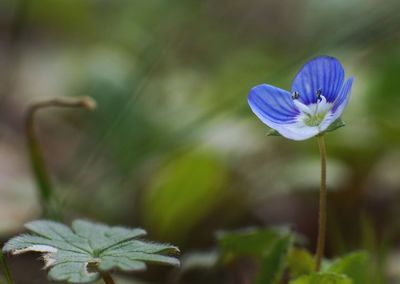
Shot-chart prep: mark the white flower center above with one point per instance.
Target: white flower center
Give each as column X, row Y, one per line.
column 313, row 114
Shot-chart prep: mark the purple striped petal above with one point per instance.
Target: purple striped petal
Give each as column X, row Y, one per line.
column 276, row 109
column 343, row 97
column 322, row 73
column 339, row 105
column 272, row 105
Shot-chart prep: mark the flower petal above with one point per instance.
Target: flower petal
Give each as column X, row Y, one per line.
column 272, row 105
column 339, row 105
column 275, row 107
column 322, row 73
column 296, row 131
column 343, row 97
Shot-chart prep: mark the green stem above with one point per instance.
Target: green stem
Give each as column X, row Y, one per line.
column 322, row 205
column 107, row 278
column 6, row 269
column 39, row 169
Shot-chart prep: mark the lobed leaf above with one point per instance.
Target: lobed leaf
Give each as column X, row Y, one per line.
column 81, row 254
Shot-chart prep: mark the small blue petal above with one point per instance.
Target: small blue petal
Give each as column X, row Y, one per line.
column 322, row 73
column 344, row 96
column 272, row 105
column 275, row 108
column 339, row 105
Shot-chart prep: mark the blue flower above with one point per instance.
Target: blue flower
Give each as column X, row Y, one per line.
column 318, row 97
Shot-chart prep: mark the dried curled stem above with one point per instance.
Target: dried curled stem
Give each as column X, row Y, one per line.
column 35, row 152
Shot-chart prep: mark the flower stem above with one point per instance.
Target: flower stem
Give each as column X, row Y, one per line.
column 107, row 278
column 37, row 161
column 5, row 268
column 322, row 205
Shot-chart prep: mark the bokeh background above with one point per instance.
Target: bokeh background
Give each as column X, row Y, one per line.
column 173, row 146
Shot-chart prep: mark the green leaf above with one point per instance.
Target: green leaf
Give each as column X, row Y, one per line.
column 356, row 265
column 269, row 246
column 273, row 132
column 323, row 278
column 183, row 192
column 274, row 261
column 300, row 262
column 81, row 254
column 338, row 123
column 248, row 242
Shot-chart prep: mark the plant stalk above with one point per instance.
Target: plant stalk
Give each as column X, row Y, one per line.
column 40, row 172
column 322, row 205
column 107, row 278
column 5, row 268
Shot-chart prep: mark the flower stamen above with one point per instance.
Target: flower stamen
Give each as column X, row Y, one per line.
column 319, row 99
column 318, row 94
column 312, row 114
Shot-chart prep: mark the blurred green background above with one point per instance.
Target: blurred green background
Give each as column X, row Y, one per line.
column 173, row 146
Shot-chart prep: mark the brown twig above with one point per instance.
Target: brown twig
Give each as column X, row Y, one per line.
column 37, row 161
